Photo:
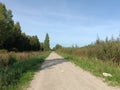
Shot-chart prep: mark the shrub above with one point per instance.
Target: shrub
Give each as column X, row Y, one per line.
column 103, row 50
column 3, row 51
column 11, row 60
column 10, row 74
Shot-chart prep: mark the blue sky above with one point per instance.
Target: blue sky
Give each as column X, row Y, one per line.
column 68, row 22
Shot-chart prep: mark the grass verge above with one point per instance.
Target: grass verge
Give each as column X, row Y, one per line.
column 17, row 76
column 96, row 67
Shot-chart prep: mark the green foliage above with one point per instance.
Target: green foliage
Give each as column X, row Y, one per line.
column 10, row 75
column 11, row 36
column 102, row 56
column 11, row 60
column 41, row 46
column 6, row 62
column 6, row 24
column 3, row 51
column 34, row 43
column 108, row 50
column 96, row 67
column 57, row 47
column 46, row 43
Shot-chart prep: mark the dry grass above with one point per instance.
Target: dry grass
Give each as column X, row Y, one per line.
column 14, row 70
column 18, row 55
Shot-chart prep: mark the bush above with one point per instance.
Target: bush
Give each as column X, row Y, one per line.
column 108, row 50
column 10, row 75
column 11, row 60
column 3, row 51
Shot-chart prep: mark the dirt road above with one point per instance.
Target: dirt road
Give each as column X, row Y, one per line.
column 59, row 74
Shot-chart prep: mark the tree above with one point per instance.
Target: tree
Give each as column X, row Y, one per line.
column 41, row 46
column 34, row 43
column 6, row 26
column 46, row 43
column 16, row 34
column 11, row 36
column 58, row 46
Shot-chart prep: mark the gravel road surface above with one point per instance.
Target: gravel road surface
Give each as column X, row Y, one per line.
column 59, row 74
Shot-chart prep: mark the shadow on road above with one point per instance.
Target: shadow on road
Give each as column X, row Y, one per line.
column 49, row 63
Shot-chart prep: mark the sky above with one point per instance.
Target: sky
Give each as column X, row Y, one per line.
column 68, row 22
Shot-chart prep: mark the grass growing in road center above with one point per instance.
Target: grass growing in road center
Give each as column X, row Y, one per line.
column 96, row 67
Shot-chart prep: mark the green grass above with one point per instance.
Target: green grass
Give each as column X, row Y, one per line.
column 96, row 67
column 23, row 81
column 17, row 76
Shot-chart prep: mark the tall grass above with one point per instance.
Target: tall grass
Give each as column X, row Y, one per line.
column 10, row 74
column 96, row 67
column 5, row 57
column 108, row 50
column 101, row 56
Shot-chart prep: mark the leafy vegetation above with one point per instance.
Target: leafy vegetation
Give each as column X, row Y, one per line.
column 7, row 56
column 58, row 46
column 17, row 59
column 13, row 39
column 108, row 50
column 11, row 73
column 46, row 43
column 96, row 67
column 101, row 56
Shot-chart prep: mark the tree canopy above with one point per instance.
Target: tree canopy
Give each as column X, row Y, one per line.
column 12, row 37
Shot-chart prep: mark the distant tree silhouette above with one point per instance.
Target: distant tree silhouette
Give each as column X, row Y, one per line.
column 46, row 43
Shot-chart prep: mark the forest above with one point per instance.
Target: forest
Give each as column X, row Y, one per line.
column 11, row 36
column 20, row 54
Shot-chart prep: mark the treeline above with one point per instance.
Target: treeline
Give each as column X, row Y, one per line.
column 11, row 36
column 106, row 50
